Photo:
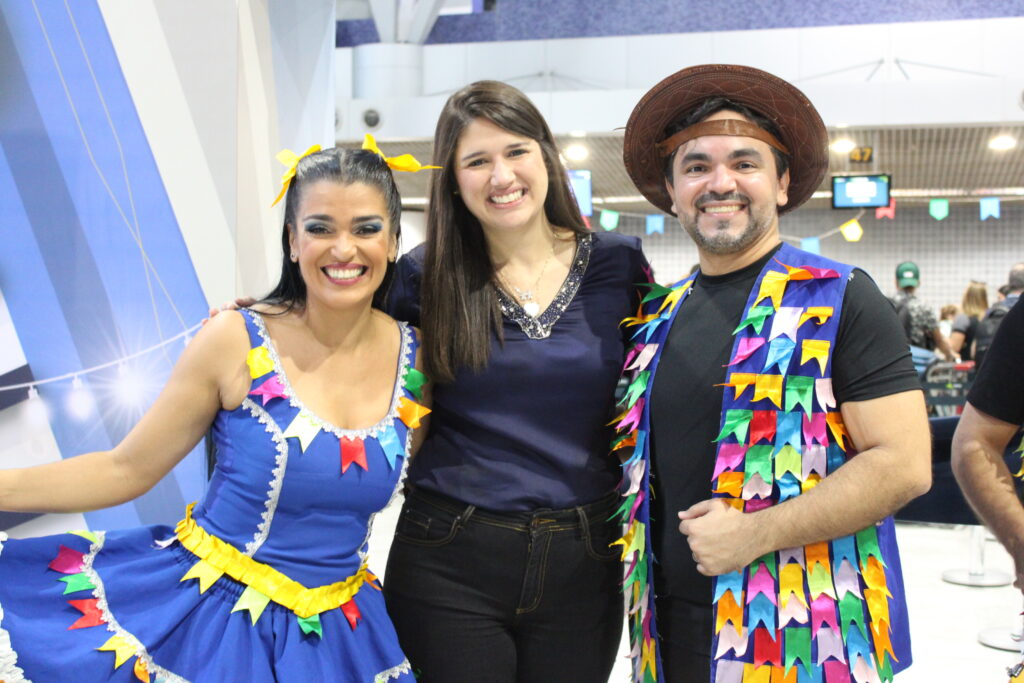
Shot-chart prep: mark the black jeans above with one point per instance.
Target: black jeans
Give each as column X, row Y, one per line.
column 479, row 596
column 684, row 637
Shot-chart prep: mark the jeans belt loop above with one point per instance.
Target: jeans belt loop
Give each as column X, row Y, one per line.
column 464, row 516
column 584, row 523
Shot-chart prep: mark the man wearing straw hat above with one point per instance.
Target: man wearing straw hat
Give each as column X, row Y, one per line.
column 774, row 420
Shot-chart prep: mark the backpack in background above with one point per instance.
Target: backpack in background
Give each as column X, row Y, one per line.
column 987, row 327
column 904, row 315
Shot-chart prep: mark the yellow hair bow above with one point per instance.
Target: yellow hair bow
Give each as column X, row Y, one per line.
column 291, row 160
column 404, row 162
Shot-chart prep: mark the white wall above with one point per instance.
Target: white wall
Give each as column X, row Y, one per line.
column 218, row 98
column 878, row 74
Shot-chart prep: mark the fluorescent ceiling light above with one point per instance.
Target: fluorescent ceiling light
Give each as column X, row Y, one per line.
column 576, row 152
column 843, row 145
column 1001, row 143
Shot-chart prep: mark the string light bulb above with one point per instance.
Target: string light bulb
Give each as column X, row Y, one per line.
column 79, row 400
column 129, row 387
column 37, row 415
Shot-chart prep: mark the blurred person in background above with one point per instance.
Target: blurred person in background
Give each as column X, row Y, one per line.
column 965, row 325
column 993, row 317
column 918, row 320
column 947, row 314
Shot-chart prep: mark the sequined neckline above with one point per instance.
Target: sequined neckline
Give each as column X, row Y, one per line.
column 540, row 327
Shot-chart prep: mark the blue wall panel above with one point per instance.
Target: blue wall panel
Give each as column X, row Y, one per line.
column 94, row 267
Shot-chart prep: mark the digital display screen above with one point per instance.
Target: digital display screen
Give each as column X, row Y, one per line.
column 580, row 181
column 860, row 191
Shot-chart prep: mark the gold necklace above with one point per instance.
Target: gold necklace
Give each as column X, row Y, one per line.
column 526, row 297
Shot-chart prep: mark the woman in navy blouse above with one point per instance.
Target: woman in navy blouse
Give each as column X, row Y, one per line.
column 502, row 568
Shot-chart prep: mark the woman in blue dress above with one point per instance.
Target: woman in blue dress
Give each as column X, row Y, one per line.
column 313, row 396
column 504, row 566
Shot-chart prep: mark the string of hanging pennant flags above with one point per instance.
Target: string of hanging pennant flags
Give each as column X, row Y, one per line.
column 851, row 230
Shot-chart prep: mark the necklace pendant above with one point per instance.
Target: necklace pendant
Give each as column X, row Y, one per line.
column 531, row 308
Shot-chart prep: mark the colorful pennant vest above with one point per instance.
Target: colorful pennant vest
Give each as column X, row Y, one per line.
column 830, row 612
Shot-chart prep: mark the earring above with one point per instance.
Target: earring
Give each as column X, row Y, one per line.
column 294, row 257
column 455, row 192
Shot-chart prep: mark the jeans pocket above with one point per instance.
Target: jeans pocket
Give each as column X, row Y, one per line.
column 426, row 525
column 601, row 535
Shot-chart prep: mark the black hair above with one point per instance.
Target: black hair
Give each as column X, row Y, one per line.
column 713, row 105
column 342, row 166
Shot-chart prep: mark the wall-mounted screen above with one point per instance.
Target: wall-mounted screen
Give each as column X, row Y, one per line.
column 580, row 181
column 860, row 191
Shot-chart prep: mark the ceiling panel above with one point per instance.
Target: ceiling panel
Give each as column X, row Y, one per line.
column 925, row 162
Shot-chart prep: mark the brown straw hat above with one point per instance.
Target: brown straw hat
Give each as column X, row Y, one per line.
column 801, row 129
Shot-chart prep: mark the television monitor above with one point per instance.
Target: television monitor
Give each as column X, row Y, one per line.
column 579, row 179
column 860, row 191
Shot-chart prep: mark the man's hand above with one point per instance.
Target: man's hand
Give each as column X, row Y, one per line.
column 722, row 539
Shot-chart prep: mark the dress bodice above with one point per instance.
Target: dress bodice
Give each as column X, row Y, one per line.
column 292, row 490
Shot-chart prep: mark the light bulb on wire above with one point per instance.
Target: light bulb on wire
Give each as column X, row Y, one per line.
column 79, row 401
column 36, row 412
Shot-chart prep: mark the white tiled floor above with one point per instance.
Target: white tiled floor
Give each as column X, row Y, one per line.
column 945, row 618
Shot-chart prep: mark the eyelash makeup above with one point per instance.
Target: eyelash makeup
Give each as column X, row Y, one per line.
column 369, row 228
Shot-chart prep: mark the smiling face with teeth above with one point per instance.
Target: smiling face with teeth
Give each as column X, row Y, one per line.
column 342, row 241
column 502, row 178
column 726, row 192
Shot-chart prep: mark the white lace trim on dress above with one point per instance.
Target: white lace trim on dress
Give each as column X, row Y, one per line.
column 9, row 671
column 100, row 593
column 280, row 464
column 396, row 393
column 393, row 672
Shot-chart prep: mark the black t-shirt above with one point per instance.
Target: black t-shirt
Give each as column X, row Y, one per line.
column 871, row 360
column 998, row 389
column 966, row 325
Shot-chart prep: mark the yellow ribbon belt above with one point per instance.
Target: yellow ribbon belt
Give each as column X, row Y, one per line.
column 226, row 559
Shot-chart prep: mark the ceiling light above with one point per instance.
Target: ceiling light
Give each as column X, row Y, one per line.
column 576, row 152
column 577, row 133
column 843, row 145
column 1002, row 143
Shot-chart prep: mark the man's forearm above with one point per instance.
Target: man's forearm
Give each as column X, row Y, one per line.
column 865, row 490
column 985, row 479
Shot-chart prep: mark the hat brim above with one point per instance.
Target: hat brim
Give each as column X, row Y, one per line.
column 800, row 126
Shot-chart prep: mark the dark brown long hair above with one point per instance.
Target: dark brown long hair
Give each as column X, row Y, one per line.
column 460, row 313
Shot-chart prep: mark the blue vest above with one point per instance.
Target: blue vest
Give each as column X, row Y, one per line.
column 828, row 612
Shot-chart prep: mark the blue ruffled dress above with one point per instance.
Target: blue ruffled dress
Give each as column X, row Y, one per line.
column 264, row 580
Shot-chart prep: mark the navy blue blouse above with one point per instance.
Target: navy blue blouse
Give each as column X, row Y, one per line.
column 530, row 430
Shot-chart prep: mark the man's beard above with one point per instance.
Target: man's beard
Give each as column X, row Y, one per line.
column 719, row 241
